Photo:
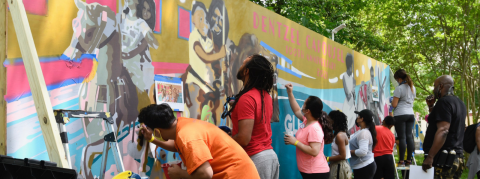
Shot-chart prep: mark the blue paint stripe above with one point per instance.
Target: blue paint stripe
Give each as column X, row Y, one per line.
column 67, row 104
column 288, row 71
column 168, row 79
column 280, row 55
column 19, row 61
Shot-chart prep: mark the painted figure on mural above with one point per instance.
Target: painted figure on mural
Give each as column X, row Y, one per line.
column 120, row 78
column 199, row 78
column 136, row 24
column 375, row 94
column 349, row 84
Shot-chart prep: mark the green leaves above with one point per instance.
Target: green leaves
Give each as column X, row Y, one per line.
column 427, row 38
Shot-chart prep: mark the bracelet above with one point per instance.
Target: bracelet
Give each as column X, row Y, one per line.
column 152, row 139
column 328, row 159
column 296, row 143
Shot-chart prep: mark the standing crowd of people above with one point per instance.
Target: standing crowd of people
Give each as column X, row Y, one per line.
column 246, row 151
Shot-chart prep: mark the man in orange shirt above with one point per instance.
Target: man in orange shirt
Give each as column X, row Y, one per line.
column 383, row 150
column 205, row 149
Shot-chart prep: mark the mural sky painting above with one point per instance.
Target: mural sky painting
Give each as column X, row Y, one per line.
column 103, row 55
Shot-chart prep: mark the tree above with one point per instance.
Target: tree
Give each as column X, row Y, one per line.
column 426, row 38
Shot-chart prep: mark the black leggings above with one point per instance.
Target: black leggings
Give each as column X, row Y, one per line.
column 366, row 172
column 404, row 128
column 385, row 167
column 315, row 175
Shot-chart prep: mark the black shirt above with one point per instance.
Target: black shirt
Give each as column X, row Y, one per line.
column 450, row 109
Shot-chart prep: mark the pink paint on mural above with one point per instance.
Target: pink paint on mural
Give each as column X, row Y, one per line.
column 166, row 68
column 37, row 7
column 112, row 4
column 183, row 23
column 17, row 81
column 158, row 10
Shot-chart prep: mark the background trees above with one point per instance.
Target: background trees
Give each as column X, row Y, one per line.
column 427, row 38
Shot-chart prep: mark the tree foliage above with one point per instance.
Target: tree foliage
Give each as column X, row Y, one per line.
column 427, row 38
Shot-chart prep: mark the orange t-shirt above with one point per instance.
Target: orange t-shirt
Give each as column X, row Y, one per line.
column 198, row 142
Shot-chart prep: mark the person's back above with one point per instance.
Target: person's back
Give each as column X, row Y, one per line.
column 386, row 141
column 198, row 141
column 262, row 132
column 383, row 151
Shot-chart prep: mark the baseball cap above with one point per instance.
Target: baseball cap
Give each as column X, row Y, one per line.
column 365, row 114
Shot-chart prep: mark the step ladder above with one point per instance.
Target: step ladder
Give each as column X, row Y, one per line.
column 110, row 141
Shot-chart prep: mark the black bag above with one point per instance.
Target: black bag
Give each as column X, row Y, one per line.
column 469, row 142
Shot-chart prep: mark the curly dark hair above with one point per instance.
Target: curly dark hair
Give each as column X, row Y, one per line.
column 339, row 122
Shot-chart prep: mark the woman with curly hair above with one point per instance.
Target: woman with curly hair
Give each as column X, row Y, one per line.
column 339, row 166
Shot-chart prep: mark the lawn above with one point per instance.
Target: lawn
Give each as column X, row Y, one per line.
column 419, row 159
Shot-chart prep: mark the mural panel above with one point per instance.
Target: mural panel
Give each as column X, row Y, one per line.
column 107, row 53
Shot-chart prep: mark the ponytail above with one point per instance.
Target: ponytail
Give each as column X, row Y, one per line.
column 409, row 82
column 402, row 74
column 373, row 131
column 315, row 105
column 326, row 127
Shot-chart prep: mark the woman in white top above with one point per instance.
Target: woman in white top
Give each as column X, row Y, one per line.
column 339, row 167
column 362, row 144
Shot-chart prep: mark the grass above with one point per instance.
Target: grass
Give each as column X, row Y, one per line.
column 419, row 159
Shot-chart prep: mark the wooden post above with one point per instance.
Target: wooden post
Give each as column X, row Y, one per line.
column 3, row 77
column 37, row 84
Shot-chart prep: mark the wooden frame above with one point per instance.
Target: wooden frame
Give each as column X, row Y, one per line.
column 3, row 77
column 37, row 84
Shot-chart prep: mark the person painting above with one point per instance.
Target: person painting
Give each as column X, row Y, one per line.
column 384, row 149
column 403, row 97
column 205, row 149
column 445, row 130
column 312, row 135
column 339, row 166
column 251, row 113
column 362, row 144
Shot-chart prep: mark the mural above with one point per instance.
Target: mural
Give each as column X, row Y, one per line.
column 107, row 53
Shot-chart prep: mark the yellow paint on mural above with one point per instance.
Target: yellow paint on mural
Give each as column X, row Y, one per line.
column 310, row 53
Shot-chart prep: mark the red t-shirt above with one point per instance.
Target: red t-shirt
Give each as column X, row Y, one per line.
column 249, row 106
column 385, row 141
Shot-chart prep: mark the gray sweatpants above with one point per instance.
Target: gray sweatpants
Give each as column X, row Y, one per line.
column 267, row 164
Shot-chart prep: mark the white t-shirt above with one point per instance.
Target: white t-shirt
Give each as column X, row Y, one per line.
column 203, row 70
column 405, row 102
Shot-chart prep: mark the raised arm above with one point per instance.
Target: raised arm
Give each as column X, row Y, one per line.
column 293, row 103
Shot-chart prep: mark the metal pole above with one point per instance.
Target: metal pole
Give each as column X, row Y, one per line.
column 333, row 36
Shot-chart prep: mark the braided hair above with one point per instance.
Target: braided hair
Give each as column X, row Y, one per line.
column 260, row 76
column 339, row 122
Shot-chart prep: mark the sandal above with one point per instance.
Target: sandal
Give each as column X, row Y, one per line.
column 401, row 164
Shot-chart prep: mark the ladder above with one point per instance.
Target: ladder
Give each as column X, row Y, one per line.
column 110, row 141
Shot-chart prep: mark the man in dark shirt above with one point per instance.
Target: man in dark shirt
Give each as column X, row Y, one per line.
column 446, row 129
